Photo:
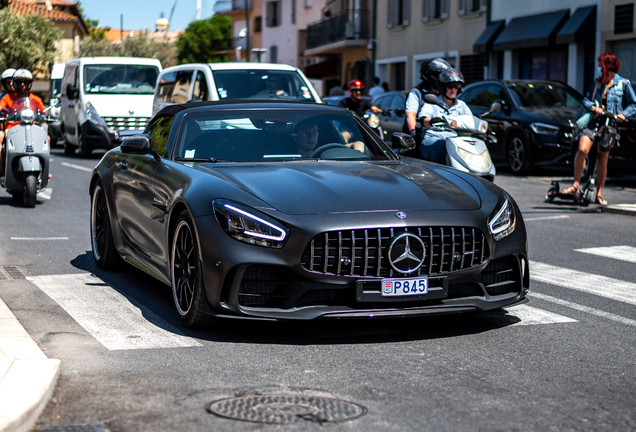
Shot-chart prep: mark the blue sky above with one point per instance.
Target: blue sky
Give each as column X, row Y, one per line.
column 142, row 14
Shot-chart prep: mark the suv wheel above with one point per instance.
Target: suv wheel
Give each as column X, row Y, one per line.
column 518, row 154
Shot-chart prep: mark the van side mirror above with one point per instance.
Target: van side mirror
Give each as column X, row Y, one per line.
column 71, row 92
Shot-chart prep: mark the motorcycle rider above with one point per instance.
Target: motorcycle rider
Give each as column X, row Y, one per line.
column 355, row 102
column 429, row 76
column 22, row 81
column 450, row 85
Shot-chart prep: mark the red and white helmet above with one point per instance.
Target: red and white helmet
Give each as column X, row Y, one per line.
column 356, row 85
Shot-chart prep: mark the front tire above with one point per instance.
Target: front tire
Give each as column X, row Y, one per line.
column 84, row 148
column 518, row 155
column 186, row 275
column 104, row 251
column 29, row 193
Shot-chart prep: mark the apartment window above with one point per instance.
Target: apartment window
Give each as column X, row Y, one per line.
column 433, row 10
column 472, row 67
column 273, row 14
column 624, row 18
column 399, row 13
column 465, row 7
column 258, row 24
column 543, row 65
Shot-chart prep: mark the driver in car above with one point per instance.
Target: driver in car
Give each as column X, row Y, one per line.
column 305, row 135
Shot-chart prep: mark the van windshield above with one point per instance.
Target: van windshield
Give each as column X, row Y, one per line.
column 120, row 79
column 261, row 84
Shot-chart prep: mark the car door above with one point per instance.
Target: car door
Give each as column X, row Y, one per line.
column 498, row 122
column 397, row 115
column 69, row 110
column 132, row 191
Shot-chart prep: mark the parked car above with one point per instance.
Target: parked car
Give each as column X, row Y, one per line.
column 534, row 126
column 104, row 98
column 231, row 81
column 393, row 105
column 262, row 210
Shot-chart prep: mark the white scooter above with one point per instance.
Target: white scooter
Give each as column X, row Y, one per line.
column 26, row 151
column 467, row 151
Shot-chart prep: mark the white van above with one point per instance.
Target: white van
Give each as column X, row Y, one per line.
column 55, row 88
column 104, row 98
column 225, row 81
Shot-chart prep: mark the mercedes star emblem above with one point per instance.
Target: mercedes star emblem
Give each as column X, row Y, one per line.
column 406, row 253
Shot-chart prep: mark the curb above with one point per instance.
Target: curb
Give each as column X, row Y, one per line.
column 27, row 376
column 622, row 209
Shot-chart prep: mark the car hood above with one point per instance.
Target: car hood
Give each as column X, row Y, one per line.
column 308, row 187
column 558, row 114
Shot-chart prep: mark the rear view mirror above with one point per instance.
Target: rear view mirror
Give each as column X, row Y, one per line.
column 431, row 99
column 136, row 144
column 71, row 92
column 402, row 141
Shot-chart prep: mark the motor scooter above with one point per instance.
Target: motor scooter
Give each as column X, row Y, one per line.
column 373, row 121
column 606, row 137
column 26, row 152
column 468, row 150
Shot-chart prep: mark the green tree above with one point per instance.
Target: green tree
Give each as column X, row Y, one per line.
column 91, row 47
column 203, row 39
column 142, row 45
column 27, row 42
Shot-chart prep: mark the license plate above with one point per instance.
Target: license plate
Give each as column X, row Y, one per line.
column 404, row 287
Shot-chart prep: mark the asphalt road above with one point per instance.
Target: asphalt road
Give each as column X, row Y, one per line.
column 564, row 361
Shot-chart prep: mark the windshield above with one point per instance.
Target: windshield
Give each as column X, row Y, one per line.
column 276, row 135
column 544, row 95
column 261, row 84
column 56, row 87
column 120, row 79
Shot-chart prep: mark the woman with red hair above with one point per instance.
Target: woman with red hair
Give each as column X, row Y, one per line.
column 610, row 90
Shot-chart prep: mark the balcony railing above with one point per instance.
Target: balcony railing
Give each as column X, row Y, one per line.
column 348, row 25
column 231, row 5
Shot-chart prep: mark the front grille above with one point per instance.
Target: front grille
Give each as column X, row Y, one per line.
column 29, row 148
column 363, row 252
column 502, row 276
column 262, row 287
column 126, row 123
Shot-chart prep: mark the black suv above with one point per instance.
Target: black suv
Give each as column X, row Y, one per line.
column 534, row 126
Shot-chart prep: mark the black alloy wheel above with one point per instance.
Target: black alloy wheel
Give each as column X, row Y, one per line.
column 30, row 190
column 518, row 154
column 186, row 275
column 104, row 251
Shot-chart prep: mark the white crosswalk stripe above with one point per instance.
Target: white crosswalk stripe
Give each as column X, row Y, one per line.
column 524, row 315
column 623, row 253
column 585, row 282
column 108, row 316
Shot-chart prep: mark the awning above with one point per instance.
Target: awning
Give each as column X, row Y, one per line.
column 580, row 28
column 485, row 41
column 531, row 31
column 322, row 69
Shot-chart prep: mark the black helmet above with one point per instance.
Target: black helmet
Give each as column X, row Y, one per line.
column 449, row 77
column 430, row 70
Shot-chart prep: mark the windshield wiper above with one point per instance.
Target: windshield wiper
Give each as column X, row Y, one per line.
column 211, row 159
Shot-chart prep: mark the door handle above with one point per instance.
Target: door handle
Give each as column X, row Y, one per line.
column 71, row 106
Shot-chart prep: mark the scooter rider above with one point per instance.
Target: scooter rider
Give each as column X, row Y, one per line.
column 355, row 102
column 429, row 76
column 22, row 81
column 450, row 85
column 611, row 90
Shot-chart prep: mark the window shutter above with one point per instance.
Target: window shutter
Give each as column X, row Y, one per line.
column 483, row 5
column 461, row 7
column 444, row 8
column 273, row 54
column 391, row 14
column 279, row 10
column 406, row 16
column 426, row 10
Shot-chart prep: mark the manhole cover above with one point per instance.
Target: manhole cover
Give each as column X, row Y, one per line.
column 13, row 272
column 91, row 427
column 281, row 409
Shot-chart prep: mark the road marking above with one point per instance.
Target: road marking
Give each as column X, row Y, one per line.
column 582, row 308
column 78, row 167
column 586, row 282
column 523, row 315
column 108, row 316
column 45, row 193
column 623, row 253
column 39, row 238
column 546, row 218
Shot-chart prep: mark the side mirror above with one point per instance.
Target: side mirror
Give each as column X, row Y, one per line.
column 399, row 112
column 431, row 99
column 494, row 108
column 71, row 92
column 402, row 141
column 56, row 102
column 136, row 144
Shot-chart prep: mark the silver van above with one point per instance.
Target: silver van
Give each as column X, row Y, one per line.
column 221, row 81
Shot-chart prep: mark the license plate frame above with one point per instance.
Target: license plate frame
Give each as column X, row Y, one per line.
column 404, row 287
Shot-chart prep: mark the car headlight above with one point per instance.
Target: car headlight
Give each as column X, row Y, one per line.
column 373, row 121
column 479, row 162
column 544, row 129
column 93, row 116
column 502, row 221
column 249, row 226
column 27, row 115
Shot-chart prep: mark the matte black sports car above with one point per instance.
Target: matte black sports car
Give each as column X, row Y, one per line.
column 299, row 211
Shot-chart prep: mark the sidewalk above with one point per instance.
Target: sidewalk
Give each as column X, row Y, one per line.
column 27, row 376
column 624, row 209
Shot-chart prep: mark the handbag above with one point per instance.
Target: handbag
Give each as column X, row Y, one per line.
column 584, row 115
